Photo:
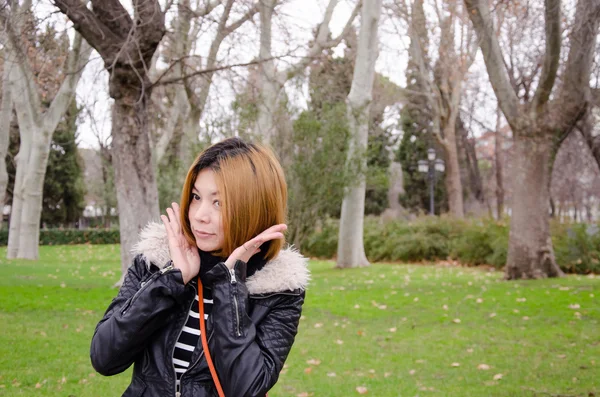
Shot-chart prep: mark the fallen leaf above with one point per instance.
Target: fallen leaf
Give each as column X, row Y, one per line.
column 455, row 365
column 331, row 374
column 304, row 394
column 361, row 390
column 483, row 367
column 318, row 325
column 393, row 329
column 313, row 361
column 412, row 372
column 574, row 306
column 498, row 376
column 339, row 342
column 456, row 321
column 492, row 315
column 307, row 370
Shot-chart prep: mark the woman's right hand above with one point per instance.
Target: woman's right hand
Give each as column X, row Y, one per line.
column 185, row 257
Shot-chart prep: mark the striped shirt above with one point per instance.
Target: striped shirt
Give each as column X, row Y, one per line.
column 190, row 336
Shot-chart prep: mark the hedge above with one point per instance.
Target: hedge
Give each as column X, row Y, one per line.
column 71, row 236
column 472, row 242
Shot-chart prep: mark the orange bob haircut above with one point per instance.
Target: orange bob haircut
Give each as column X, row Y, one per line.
column 252, row 188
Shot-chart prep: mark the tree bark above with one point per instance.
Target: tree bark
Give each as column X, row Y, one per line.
column 586, row 128
column 6, row 115
column 351, row 251
column 499, row 168
column 530, row 253
column 137, row 193
column 452, row 179
column 127, row 48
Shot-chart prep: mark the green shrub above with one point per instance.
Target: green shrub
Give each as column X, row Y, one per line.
column 472, row 242
column 482, row 241
column 577, row 247
column 72, row 236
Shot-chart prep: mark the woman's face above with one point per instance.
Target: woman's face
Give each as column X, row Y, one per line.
column 205, row 212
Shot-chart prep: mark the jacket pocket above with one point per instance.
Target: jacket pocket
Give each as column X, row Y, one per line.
column 136, row 388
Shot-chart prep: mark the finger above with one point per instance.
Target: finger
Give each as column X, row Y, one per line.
column 172, row 222
column 165, row 222
column 263, row 238
column 177, row 211
column 276, row 228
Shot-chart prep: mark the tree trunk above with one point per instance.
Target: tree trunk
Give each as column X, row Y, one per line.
column 452, row 179
column 16, row 211
column 351, row 251
column 135, row 182
column 498, row 162
column 127, row 46
column 472, row 164
column 586, row 128
column 530, row 251
column 32, row 203
column 6, row 115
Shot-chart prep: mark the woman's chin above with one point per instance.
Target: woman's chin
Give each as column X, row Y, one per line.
column 207, row 246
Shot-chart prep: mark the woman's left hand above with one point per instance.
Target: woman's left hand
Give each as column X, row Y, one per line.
column 252, row 247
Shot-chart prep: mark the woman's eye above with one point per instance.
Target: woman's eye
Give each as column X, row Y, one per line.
column 195, row 196
column 217, row 203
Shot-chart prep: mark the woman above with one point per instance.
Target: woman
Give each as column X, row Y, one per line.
column 224, row 244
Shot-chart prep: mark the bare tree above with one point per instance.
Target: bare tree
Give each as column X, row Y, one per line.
column 271, row 114
column 191, row 93
column 539, row 124
column 126, row 43
column 37, row 123
column 444, row 83
column 351, row 251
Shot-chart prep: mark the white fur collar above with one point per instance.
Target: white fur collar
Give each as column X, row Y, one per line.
column 288, row 271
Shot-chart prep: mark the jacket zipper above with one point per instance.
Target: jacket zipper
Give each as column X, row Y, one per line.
column 235, row 302
column 178, row 387
column 143, row 286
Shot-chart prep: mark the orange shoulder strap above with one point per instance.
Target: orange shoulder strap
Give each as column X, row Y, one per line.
column 211, row 366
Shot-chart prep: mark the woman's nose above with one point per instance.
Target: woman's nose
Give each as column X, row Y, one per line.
column 202, row 214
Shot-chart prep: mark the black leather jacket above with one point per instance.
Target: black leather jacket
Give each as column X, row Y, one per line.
column 249, row 334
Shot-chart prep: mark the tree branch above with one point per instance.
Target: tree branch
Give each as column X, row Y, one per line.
column 150, row 26
column 321, row 42
column 574, row 93
column 113, row 15
column 245, row 18
column 479, row 14
column 96, row 33
column 211, row 5
column 28, row 100
column 551, row 57
column 176, row 80
column 76, row 62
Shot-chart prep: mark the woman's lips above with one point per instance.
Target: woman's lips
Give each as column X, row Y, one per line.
column 203, row 234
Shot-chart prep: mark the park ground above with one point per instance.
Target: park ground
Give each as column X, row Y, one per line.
column 387, row 330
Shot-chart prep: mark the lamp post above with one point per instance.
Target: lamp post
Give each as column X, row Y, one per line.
column 430, row 166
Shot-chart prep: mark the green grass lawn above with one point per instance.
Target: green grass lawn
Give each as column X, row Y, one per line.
column 389, row 330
